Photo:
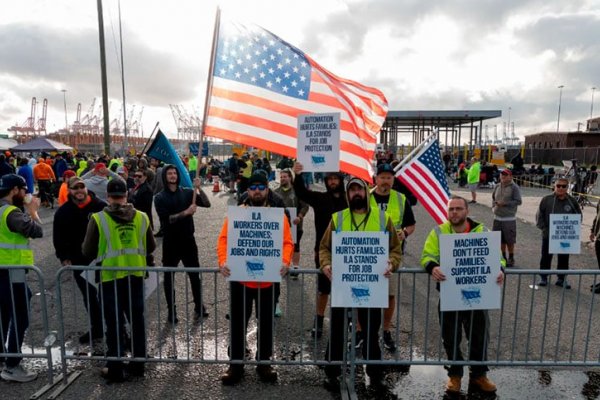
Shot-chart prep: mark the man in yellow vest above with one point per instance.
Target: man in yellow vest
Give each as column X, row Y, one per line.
column 119, row 236
column 359, row 216
column 395, row 205
column 16, row 227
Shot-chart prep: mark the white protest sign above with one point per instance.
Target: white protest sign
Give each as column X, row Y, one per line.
column 359, row 260
column 292, row 211
column 471, row 263
column 255, row 243
column 565, row 234
column 319, row 142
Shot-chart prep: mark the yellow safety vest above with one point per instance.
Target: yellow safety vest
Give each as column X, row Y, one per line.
column 121, row 245
column 14, row 247
column 395, row 207
column 342, row 221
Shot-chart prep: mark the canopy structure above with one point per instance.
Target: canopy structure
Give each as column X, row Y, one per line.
column 421, row 124
column 42, row 144
column 7, row 144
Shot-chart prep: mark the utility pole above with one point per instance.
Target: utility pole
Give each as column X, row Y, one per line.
column 105, row 109
column 559, row 102
column 592, row 106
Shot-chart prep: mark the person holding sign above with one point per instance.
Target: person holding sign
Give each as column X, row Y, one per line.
column 560, row 202
column 324, row 204
column 244, row 294
column 474, row 322
column 360, row 216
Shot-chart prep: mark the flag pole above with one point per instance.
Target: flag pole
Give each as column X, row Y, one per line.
column 150, row 138
column 209, row 84
column 413, row 152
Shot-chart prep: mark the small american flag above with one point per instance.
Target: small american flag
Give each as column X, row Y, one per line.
column 424, row 176
column 261, row 84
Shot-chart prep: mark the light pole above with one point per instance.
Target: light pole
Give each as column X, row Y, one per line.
column 592, row 106
column 64, row 92
column 559, row 103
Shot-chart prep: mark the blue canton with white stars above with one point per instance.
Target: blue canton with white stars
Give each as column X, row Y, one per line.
column 431, row 158
column 257, row 57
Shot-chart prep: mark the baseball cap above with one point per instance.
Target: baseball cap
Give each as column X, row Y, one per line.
column 68, row 174
column 74, row 180
column 116, row 188
column 356, row 181
column 10, row 181
column 258, row 178
column 506, row 172
column 99, row 166
column 381, row 168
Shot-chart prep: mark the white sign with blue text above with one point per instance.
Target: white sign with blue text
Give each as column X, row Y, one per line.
column 471, row 263
column 359, row 260
column 565, row 234
column 255, row 243
column 319, row 142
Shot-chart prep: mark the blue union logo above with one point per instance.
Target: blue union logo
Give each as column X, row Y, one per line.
column 471, row 296
column 255, row 268
column 565, row 245
column 360, row 294
column 317, row 159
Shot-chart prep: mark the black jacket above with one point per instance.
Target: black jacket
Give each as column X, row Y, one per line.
column 69, row 227
column 169, row 203
column 142, row 199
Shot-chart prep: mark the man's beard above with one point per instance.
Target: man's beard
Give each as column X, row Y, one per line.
column 18, row 201
column 257, row 200
column 358, row 203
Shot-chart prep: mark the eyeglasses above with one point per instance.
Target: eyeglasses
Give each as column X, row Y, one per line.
column 78, row 186
column 561, row 186
column 138, row 176
column 260, row 187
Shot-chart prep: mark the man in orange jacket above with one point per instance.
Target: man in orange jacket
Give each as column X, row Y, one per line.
column 244, row 294
column 44, row 176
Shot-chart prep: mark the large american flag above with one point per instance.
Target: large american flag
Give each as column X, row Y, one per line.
column 261, row 84
column 424, row 176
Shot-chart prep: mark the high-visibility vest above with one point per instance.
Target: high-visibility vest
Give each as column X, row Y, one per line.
column 14, row 247
column 121, row 245
column 247, row 172
column 342, row 221
column 395, row 207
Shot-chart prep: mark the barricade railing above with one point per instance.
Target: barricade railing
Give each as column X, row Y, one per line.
column 24, row 329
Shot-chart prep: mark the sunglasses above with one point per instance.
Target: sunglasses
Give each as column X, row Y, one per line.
column 260, row 187
column 561, row 186
column 78, row 186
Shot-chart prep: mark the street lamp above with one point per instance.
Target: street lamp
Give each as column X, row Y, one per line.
column 559, row 103
column 64, row 91
column 592, row 106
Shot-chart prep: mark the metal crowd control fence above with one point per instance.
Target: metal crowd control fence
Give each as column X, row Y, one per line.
column 24, row 313
column 549, row 326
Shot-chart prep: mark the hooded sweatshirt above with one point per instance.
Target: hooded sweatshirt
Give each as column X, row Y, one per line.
column 98, row 183
column 169, row 203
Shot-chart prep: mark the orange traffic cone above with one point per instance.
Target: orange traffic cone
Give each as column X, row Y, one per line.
column 216, row 186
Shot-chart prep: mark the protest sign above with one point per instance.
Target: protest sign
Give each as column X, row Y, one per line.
column 359, row 260
column 319, row 142
column 471, row 263
column 255, row 243
column 565, row 234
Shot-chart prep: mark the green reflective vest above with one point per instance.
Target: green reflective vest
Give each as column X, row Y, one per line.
column 395, row 207
column 192, row 163
column 247, row 172
column 121, row 245
column 14, row 247
column 342, row 221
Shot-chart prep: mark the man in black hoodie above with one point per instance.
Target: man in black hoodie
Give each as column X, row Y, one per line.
column 175, row 211
column 69, row 227
column 324, row 204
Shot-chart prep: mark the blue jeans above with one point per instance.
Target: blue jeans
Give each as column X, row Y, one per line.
column 14, row 316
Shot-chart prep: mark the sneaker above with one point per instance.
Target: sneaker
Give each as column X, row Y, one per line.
column 277, row 310
column 388, row 342
column 563, row 283
column 200, row 312
column 359, row 340
column 543, row 282
column 233, row 375
column 266, row 373
column 453, row 384
column 17, row 374
column 317, row 330
column 472, row 202
column 511, row 262
column 482, row 383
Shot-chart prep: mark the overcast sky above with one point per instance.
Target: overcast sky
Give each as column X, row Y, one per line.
column 422, row 54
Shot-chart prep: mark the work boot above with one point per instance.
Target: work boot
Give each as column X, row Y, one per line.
column 563, row 283
column 453, row 385
column 200, row 312
column 388, row 342
column 482, row 383
column 511, row 262
column 233, row 375
column 266, row 373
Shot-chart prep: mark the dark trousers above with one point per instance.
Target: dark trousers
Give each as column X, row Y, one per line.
column 597, row 247
column 242, row 300
column 14, row 316
column 370, row 321
column 90, row 301
column 45, row 187
column 546, row 260
column 186, row 251
column 120, row 297
column 476, row 329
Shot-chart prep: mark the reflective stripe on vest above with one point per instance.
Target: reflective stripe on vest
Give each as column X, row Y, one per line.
column 339, row 220
column 395, row 207
column 14, row 247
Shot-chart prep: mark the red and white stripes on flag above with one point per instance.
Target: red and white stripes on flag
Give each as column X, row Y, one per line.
column 425, row 177
column 261, row 84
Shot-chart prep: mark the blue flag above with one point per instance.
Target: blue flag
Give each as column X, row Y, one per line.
column 163, row 150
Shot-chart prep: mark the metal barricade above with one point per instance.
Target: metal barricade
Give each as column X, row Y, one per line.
column 24, row 315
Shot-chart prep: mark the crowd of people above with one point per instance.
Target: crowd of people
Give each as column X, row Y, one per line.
column 105, row 219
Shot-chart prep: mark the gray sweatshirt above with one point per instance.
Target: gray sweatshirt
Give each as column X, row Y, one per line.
column 509, row 194
column 98, row 183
